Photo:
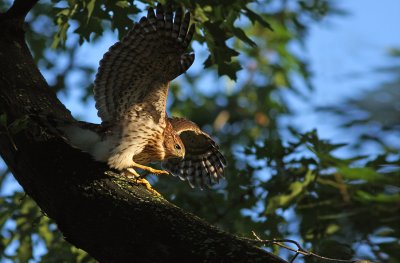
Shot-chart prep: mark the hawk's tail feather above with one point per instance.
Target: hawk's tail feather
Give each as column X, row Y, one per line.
column 78, row 134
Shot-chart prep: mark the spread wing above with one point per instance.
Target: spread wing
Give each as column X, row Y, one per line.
column 139, row 68
column 203, row 164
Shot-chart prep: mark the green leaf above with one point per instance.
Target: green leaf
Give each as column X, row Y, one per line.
column 242, row 36
column 296, row 190
column 122, row 4
column 24, row 250
column 256, row 17
column 379, row 198
column 92, row 27
column 229, row 69
column 45, row 233
column 363, row 173
column 90, row 7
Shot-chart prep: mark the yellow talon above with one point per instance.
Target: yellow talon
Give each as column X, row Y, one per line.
column 149, row 169
column 146, row 183
column 141, row 180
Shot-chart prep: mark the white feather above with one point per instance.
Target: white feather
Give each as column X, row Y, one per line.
column 89, row 141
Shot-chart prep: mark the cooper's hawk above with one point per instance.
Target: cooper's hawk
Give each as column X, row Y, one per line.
column 131, row 90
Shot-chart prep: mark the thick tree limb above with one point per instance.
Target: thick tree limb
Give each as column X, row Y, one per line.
column 20, row 9
column 105, row 214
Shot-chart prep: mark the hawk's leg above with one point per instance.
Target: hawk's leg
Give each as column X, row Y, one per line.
column 149, row 169
column 140, row 180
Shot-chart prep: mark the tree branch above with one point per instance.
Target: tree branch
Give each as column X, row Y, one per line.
column 301, row 250
column 101, row 212
column 20, row 9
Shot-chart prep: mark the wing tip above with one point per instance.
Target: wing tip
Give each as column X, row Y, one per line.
column 187, row 61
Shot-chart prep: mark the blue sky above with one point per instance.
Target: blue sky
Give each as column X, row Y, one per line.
column 343, row 52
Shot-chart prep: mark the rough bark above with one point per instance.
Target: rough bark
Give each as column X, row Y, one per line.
column 101, row 212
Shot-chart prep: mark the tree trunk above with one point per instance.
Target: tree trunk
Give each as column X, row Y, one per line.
column 101, row 212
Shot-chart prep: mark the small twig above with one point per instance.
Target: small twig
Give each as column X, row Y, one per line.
column 10, row 138
column 299, row 250
column 294, row 257
column 342, row 187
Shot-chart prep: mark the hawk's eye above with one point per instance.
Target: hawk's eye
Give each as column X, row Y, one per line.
column 177, row 147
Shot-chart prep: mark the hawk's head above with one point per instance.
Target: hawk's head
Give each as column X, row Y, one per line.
column 173, row 145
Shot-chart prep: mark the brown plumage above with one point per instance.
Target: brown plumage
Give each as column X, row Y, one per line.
column 203, row 164
column 131, row 89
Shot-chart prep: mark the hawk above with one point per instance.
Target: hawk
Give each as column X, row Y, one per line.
column 131, row 89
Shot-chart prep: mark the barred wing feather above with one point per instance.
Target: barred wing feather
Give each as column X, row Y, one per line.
column 203, row 164
column 138, row 69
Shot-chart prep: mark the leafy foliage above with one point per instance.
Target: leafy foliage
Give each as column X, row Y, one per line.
column 29, row 228
column 278, row 186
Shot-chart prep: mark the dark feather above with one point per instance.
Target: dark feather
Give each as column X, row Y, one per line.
column 203, row 164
